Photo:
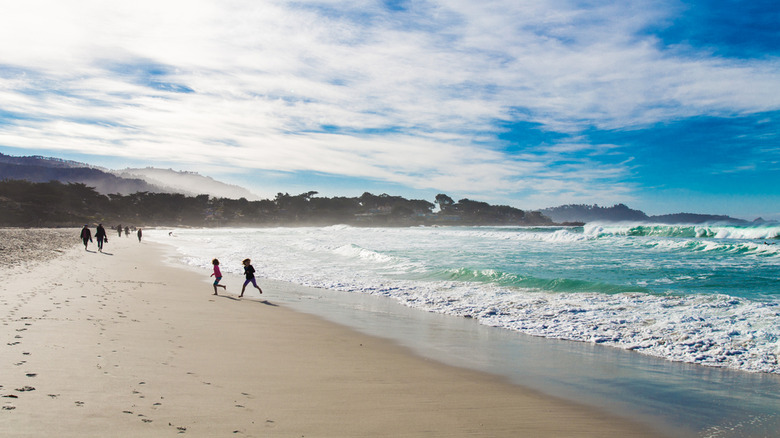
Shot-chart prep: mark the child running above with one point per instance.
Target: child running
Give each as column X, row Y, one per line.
column 249, row 271
column 217, row 276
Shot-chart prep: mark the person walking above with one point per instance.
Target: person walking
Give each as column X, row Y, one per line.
column 139, row 233
column 86, row 236
column 101, row 236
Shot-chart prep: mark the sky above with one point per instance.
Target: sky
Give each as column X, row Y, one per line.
column 665, row 106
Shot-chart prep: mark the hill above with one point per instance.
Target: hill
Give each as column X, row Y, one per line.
column 594, row 213
column 622, row 213
column 173, row 181
column 124, row 182
column 43, row 169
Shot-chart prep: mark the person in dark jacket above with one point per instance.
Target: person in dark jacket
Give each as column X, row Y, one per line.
column 249, row 271
column 100, row 235
column 86, row 236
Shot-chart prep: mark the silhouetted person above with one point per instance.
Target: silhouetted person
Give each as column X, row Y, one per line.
column 119, row 230
column 249, row 271
column 86, row 236
column 127, row 231
column 100, row 235
column 139, row 234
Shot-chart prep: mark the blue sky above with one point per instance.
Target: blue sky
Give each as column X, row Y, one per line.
column 666, row 106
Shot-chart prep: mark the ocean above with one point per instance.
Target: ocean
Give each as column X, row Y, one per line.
column 706, row 296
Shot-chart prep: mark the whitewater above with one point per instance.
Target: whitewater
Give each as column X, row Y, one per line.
column 701, row 294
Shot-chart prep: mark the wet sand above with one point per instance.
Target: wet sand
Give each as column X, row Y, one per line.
column 122, row 344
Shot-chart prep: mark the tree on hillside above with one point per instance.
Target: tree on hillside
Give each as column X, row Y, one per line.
column 444, row 201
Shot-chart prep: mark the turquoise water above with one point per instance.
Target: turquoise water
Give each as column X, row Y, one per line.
column 706, row 295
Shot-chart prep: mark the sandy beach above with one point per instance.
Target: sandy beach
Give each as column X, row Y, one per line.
column 121, row 344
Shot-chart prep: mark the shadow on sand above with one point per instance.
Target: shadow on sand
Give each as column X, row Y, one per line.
column 227, row 296
column 266, row 302
column 251, row 300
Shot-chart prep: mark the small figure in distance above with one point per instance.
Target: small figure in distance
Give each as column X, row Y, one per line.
column 127, row 231
column 139, row 234
column 249, row 271
column 86, row 236
column 217, row 276
column 101, row 236
column 119, row 229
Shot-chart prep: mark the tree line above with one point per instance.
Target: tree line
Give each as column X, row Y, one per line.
column 52, row 204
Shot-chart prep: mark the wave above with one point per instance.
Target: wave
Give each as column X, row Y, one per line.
column 713, row 330
column 763, row 232
column 760, row 241
column 715, row 247
column 355, row 251
column 506, row 279
column 530, row 234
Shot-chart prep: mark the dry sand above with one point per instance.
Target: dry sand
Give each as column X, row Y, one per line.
column 119, row 344
column 22, row 246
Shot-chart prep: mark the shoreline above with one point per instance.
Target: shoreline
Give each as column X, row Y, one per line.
column 123, row 343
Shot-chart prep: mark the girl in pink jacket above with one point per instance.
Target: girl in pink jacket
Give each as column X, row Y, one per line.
column 217, row 276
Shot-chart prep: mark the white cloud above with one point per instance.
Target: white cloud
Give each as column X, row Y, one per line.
column 412, row 97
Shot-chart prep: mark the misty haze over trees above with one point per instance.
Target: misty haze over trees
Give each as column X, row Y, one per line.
column 24, row 203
